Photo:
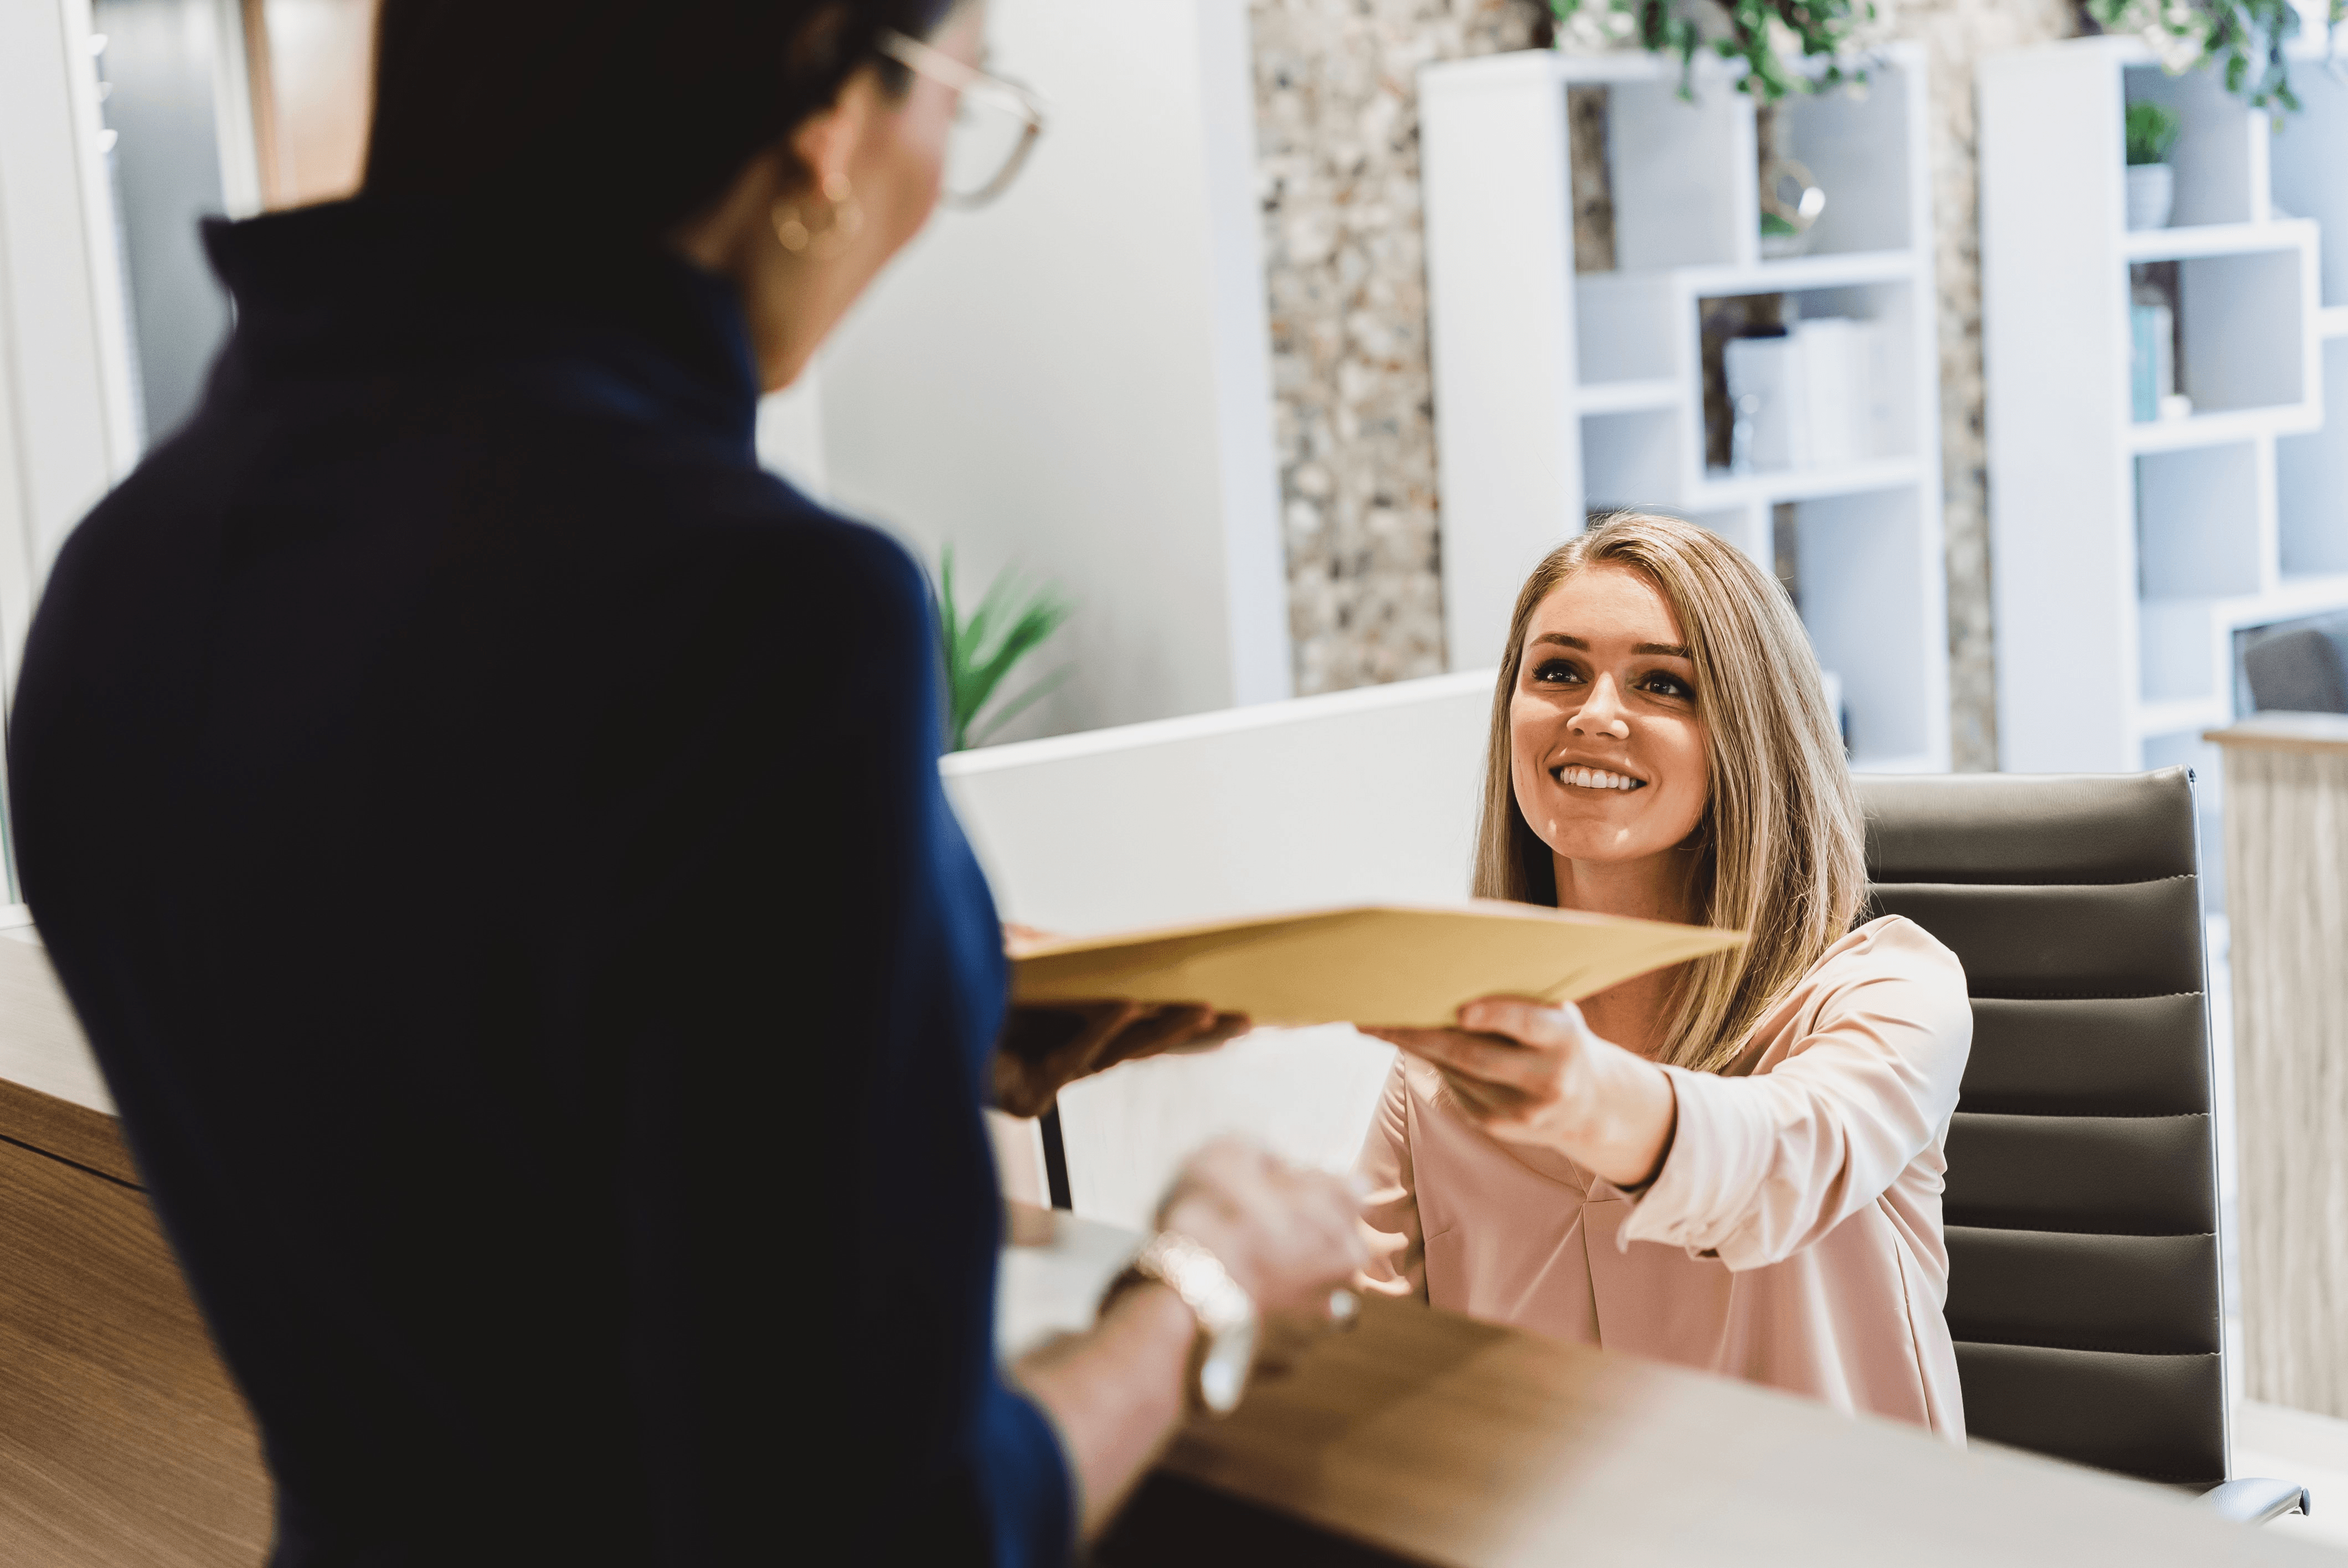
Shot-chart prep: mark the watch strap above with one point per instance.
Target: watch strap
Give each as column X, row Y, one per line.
column 1226, row 1314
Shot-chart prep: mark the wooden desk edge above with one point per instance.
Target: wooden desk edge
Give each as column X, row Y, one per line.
column 64, row 1131
column 2285, row 733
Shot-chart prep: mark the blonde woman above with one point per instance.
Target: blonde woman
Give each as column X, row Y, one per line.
column 1734, row 1164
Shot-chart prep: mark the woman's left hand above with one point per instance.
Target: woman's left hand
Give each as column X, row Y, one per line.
column 1529, row 1074
column 1043, row 1048
column 1046, row 1047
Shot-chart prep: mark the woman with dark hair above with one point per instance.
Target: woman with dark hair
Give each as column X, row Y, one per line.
column 491, row 833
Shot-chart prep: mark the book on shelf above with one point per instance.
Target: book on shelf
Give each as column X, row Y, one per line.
column 1817, row 394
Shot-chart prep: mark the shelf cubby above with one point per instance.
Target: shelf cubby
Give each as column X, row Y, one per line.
column 1557, row 392
column 1630, row 458
column 2311, row 481
column 2305, row 155
column 1858, row 552
column 2221, row 156
column 2245, row 326
column 1677, row 200
column 1857, row 147
column 2204, row 521
column 2177, row 658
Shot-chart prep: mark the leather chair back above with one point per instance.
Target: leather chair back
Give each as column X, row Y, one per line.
column 2082, row 1203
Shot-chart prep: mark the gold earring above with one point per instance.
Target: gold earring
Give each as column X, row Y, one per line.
column 793, row 234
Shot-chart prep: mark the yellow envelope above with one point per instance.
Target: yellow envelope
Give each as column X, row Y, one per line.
column 1397, row 965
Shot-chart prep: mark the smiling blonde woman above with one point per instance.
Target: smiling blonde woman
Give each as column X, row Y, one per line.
column 1735, row 1165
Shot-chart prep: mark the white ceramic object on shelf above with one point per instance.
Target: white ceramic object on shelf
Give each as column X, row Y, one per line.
column 2151, row 195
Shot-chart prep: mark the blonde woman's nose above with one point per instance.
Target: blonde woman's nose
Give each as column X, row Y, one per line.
column 1601, row 713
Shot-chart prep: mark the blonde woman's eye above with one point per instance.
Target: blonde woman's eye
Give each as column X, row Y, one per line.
column 1556, row 671
column 1669, row 686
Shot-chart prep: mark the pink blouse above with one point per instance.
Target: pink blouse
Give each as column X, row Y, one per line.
column 1793, row 1237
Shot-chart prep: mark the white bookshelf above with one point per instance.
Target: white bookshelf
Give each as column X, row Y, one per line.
column 1558, row 392
column 2128, row 554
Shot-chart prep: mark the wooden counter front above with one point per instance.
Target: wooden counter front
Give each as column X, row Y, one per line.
column 1422, row 1437
column 123, row 1444
column 2286, row 802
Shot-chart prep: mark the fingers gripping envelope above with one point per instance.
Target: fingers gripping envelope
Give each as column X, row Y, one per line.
column 1396, row 964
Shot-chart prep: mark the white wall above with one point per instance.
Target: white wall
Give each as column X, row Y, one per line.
column 1348, row 798
column 67, row 429
column 1078, row 378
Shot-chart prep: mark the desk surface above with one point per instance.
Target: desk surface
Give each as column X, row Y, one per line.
column 2285, row 733
column 1425, row 1437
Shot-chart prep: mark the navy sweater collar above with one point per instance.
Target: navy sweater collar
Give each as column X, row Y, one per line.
column 370, row 286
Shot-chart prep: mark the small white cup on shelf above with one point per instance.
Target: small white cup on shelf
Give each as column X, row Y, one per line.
column 2151, row 195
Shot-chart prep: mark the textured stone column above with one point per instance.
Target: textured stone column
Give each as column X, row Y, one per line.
column 2287, row 904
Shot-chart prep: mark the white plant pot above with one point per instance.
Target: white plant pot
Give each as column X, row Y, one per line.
column 2151, row 193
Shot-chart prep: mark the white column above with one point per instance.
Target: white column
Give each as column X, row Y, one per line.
column 66, row 431
column 1076, row 380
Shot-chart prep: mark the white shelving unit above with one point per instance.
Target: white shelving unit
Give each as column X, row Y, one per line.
column 1560, row 393
column 2128, row 554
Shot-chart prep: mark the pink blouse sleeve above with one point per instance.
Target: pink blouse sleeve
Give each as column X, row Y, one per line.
column 1390, row 1213
column 1760, row 1167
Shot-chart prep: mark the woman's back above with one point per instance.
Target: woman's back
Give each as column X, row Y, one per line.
column 465, row 801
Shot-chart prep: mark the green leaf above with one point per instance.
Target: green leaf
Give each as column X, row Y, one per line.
column 1021, row 703
column 1010, row 621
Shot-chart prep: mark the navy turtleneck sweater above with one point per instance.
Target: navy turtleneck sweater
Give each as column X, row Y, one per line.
column 492, row 833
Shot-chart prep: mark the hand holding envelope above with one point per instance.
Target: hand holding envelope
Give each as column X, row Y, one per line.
column 1080, row 1005
column 1395, row 966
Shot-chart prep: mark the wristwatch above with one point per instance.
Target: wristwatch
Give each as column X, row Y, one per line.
column 1225, row 1351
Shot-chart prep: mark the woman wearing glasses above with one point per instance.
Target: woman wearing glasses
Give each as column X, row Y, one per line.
column 491, row 833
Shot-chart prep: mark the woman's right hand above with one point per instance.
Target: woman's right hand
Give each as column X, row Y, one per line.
column 1288, row 1237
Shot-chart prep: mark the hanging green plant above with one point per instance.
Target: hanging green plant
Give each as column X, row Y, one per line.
column 1012, row 619
column 1768, row 35
column 2248, row 39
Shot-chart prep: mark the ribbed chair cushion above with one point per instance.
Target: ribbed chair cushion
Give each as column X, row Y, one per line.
column 2082, row 1195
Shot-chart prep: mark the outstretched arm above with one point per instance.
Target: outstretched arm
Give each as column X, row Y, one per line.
column 1116, row 1392
column 1529, row 1074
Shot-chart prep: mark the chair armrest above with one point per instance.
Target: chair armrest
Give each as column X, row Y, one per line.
column 2254, row 1499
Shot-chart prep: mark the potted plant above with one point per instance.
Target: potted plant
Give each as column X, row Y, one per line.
column 2151, row 183
column 1012, row 621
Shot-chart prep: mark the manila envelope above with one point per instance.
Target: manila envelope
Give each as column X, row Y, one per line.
column 1399, row 966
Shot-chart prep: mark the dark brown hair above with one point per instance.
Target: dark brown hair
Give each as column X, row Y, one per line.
column 614, row 117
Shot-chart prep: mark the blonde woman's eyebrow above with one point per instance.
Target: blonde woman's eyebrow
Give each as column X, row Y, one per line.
column 1667, row 650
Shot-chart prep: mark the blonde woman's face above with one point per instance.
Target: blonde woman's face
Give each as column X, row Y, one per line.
column 1606, row 738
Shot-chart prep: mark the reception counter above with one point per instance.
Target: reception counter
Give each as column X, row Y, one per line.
column 1419, row 1436
column 1423, row 1437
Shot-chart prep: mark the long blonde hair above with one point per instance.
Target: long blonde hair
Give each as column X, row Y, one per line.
column 1782, row 855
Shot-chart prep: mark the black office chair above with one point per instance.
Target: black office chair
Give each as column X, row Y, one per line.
column 2082, row 1204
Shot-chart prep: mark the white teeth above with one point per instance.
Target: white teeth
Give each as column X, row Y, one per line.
column 1596, row 778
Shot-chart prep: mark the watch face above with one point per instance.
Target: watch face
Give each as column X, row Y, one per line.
column 1223, row 1374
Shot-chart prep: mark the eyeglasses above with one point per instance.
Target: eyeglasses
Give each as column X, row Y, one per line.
column 996, row 126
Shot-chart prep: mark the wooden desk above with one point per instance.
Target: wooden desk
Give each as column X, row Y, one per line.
column 1423, row 1437
column 2287, row 914
column 122, row 1441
